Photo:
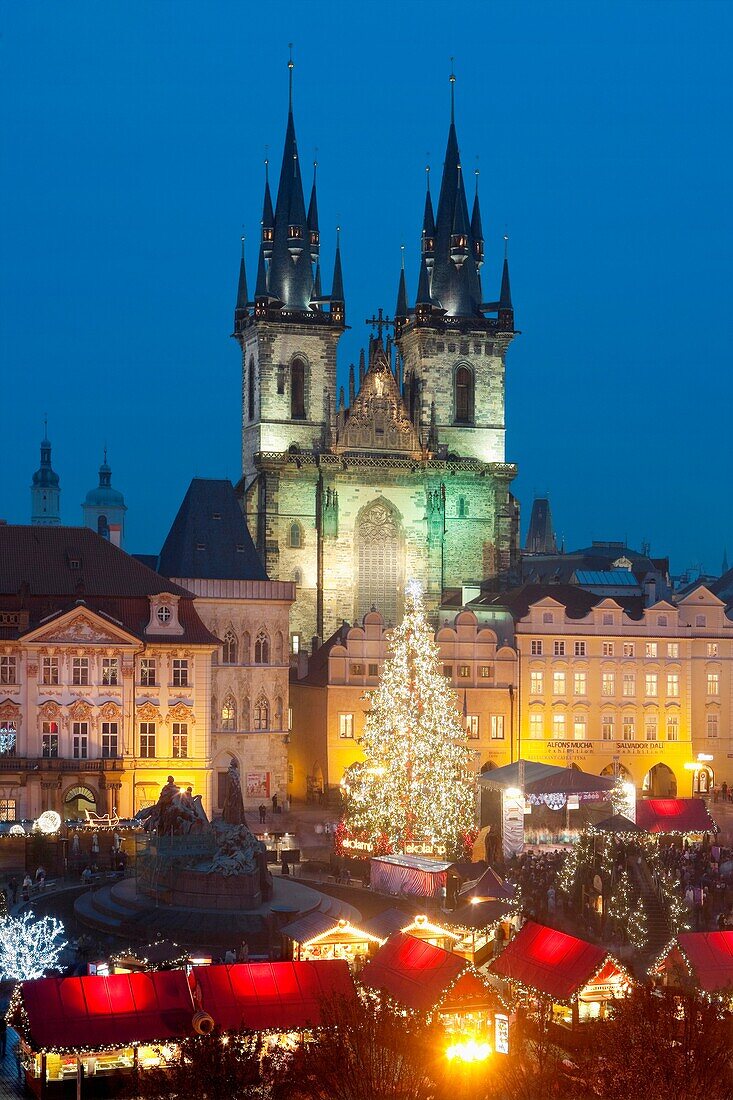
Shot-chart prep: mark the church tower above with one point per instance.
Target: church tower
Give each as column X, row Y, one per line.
column 45, row 489
column 104, row 507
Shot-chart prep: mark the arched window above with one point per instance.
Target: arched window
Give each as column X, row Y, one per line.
column 246, row 648
column 296, row 536
column 262, row 649
column 102, row 526
column 462, row 507
column 245, row 713
column 464, row 395
column 262, row 714
column 297, row 389
column 251, row 388
column 229, row 714
column 297, row 576
column 378, row 560
column 229, row 649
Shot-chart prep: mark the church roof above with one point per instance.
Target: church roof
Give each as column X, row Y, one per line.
column 378, row 420
column 209, row 538
column 103, row 495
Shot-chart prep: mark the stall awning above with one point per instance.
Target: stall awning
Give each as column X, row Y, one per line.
column 388, row 921
column 488, row 887
column 550, row 962
column 278, row 996
column 479, row 914
column 674, row 815
column 709, row 957
column 509, row 774
column 115, row 1010
column 616, row 823
column 412, row 971
column 319, row 928
column 570, row 781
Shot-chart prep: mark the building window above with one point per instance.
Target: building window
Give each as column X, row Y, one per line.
column 558, row 727
column 50, row 671
column 535, row 647
column 7, row 670
column 8, row 738
column 148, row 671
column 536, row 683
column 373, row 670
column 712, row 724
column 50, row 739
column 673, row 649
column 580, row 683
column 229, row 714
column 497, row 727
column 464, row 671
column 147, row 740
column 464, row 395
column 607, row 727
column 650, row 649
column 650, row 727
column 295, row 536
column 297, row 390
column 558, row 683
column 164, row 613
column 673, row 685
column 109, row 740
column 484, row 672
column 701, row 621
column 346, row 726
column 608, row 649
column 80, row 671
column 262, row 714
column 295, row 643
column 358, row 670
column 472, row 726
column 580, row 727
column 229, row 649
column 673, row 728
column 448, row 671
column 608, row 683
column 651, row 685
column 548, row 617
column 180, row 740
column 251, row 389
column 559, row 648
column 712, row 649
column 661, row 620
column 607, row 618
column 713, row 682
column 536, row 726
column 629, row 649
column 629, row 685
column 462, row 507
column 110, row 672
column 180, row 672
column 579, row 649
column 7, row 809
column 262, row 649
column 80, row 740
column 629, row 727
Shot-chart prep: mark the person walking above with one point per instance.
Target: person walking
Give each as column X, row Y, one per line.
column 26, row 891
column 263, row 813
column 274, row 803
column 13, row 889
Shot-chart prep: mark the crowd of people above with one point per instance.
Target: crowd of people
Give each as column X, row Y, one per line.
column 704, row 873
column 535, row 874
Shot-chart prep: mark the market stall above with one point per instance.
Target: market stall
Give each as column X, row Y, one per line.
column 577, row 977
column 703, row 959
column 415, row 876
column 683, row 816
column 422, row 978
column 477, row 923
column 320, row 936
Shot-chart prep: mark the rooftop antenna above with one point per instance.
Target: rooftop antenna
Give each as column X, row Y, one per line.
column 291, row 66
column 452, row 91
column 402, row 250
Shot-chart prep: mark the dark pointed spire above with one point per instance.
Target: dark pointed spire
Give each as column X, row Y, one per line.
column 338, row 310
column 261, row 294
column 423, row 287
column 362, row 365
column 317, row 289
column 268, row 217
column 477, row 232
column 242, row 296
column 352, row 385
column 341, row 399
column 401, row 308
column 314, row 236
column 506, row 310
column 428, row 224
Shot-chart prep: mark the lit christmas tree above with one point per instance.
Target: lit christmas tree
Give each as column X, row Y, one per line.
column 29, row 947
column 415, row 791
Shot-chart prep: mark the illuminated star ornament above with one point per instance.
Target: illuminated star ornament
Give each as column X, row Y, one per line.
column 414, row 792
column 29, row 947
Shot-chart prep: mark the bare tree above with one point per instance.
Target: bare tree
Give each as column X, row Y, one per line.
column 208, row 1067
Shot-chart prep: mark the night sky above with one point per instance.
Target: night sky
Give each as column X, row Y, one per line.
column 132, row 138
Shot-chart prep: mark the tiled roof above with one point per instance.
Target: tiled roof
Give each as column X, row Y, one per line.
column 209, row 538
column 577, row 601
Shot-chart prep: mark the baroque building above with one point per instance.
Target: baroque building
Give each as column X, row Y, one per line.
column 407, row 479
column 210, row 553
column 105, row 678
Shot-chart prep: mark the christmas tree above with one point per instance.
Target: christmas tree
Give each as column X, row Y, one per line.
column 415, row 790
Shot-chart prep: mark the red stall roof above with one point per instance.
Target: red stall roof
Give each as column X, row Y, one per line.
column 709, row 956
column 278, row 996
column 102, row 1011
column 552, row 962
column 674, row 815
column 414, row 972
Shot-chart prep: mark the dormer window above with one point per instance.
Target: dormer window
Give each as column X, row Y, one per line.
column 163, row 613
column 74, row 563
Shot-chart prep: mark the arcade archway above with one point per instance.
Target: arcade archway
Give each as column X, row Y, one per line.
column 659, row 782
column 76, row 801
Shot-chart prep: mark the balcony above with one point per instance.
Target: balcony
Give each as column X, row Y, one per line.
column 59, row 764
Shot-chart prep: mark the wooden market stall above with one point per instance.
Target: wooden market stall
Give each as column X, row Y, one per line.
column 320, row 936
column 577, row 977
column 423, row 978
column 683, row 816
column 411, row 876
column 477, row 923
column 703, row 959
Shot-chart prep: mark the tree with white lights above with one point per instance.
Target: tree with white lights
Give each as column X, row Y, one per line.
column 416, row 787
column 29, row 947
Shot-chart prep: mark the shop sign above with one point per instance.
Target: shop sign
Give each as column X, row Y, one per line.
column 641, row 747
column 580, row 747
column 258, row 784
column 501, row 1033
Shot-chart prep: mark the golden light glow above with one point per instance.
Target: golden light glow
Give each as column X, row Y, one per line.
column 468, row 1050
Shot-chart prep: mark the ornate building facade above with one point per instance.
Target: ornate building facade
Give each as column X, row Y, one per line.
column 408, row 479
column 105, row 678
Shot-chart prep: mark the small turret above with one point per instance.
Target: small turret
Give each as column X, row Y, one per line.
column 46, row 488
column 338, row 305
column 104, row 507
column 362, row 365
column 352, row 385
column 428, row 225
column 268, row 217
column 506, row 310
column 401, row 309
column 477, row 233
column 459, row 251
column 423, row 301
column 240, row 308
column 314, row 237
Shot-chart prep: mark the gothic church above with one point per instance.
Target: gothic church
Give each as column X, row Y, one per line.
column 407, row 480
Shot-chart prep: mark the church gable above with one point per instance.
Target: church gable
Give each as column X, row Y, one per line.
column 80, row 626
column 378, row 419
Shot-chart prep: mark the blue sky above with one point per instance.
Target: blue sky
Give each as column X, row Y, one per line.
column 131, row 145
